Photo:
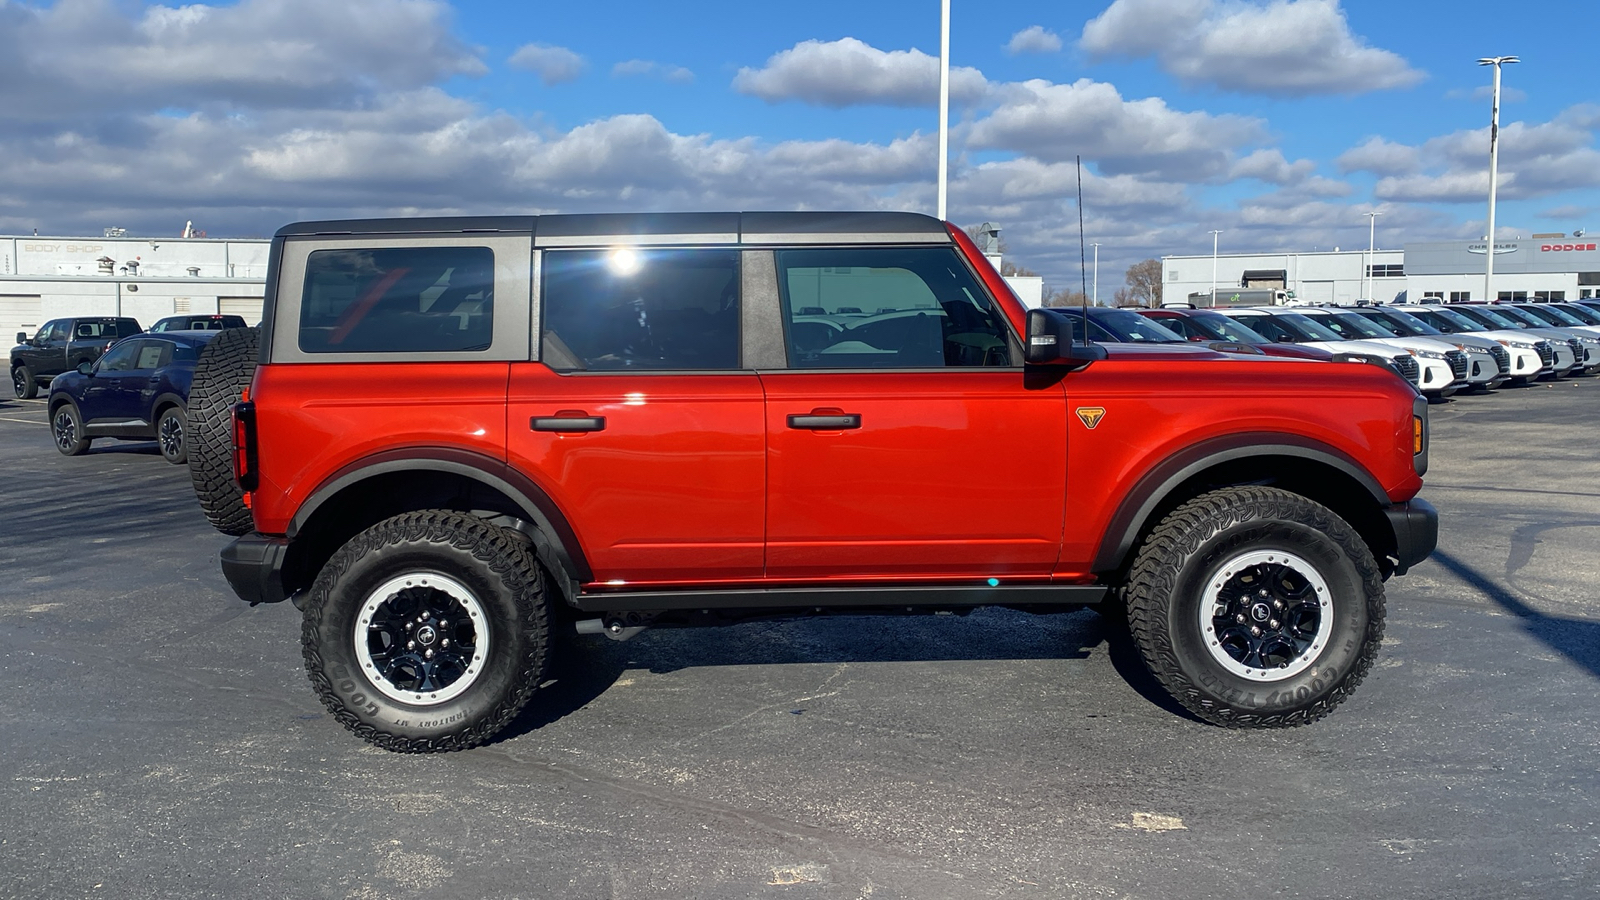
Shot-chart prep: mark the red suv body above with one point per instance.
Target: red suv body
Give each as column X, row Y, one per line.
column 692, row 417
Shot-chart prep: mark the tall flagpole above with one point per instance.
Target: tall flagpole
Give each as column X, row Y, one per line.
column 944, row 104
column 1494, row 169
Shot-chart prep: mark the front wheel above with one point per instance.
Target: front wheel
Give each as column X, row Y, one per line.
column 66, row 426
column 427, row 632
column 1255, row 607
column 23, row 384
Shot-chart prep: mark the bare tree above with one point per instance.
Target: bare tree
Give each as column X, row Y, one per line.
column 1124, row 297
column 1144, row 283
column 1064, row 297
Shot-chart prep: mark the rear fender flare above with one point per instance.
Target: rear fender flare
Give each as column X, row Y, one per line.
column 561, row 541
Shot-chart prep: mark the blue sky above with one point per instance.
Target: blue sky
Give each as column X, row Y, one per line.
column 1278, row 122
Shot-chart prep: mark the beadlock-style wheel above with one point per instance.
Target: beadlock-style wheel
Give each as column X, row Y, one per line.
column 1264, row 615
column 421, row 638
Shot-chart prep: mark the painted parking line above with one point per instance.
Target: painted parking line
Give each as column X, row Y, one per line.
column 23, row 421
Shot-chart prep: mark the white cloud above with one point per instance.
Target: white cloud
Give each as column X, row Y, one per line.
column 849, row 72
column 1380, row 157
column 553, row 65
column 1270, row 166
column 1535, row 161
column 86, row 56
column 1053, row 122
column 1033, row 39
column 651, row 69
column 1287, row 48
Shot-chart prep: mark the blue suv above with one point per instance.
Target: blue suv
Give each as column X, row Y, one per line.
column 137, row 391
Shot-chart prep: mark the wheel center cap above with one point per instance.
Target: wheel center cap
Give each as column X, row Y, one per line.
column 1260, row 612
column 426, row 635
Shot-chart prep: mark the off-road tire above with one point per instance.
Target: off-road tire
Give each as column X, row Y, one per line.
column 172, row 435
column 66, row 430
column 503, row 578
column 23, row 384
column 221, row 374
column 1179, row 559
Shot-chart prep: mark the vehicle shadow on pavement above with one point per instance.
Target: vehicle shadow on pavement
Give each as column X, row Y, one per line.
column 1576, row 639
column 584, row 668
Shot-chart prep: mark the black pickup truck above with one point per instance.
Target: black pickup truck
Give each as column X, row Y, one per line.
column 59, row 346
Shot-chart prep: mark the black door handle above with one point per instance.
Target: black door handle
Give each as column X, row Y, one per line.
column 826, row 423
column 567, row 423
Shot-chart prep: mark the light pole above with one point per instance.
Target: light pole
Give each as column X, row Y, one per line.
column 1494, row 168
column 1096, row 296
column 1372, row 231
column 1214, row 267
column 944, row 103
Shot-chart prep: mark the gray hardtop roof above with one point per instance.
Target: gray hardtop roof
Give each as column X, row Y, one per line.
column 713, row 227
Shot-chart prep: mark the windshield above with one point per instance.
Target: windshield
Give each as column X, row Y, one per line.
column 1351, row 327
column 1225, row 329
column 1134, row 328
column 1390, row 329
column 1517, row 315
column 1557, row 317
column 1448, row 320
column 1582, row 314
column 1409, row 320
column 1490, row 317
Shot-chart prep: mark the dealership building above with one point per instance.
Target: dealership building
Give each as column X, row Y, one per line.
column 43, row 278
column 1545, row 267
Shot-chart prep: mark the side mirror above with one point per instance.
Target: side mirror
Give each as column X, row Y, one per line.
column 1056, row 336
column 86, row 368
column 22, row 337
column 1236, row 347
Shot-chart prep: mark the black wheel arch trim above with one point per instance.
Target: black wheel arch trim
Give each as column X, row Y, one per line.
column 1134, row 512
column 486, row 470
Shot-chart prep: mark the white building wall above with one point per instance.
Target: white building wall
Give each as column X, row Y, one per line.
column 1320, row 277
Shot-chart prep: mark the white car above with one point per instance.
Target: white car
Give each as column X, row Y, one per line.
column 1566, row 350
column 1488, row 363
column 1448, row 376
column 1587, row 335
column 1288, row 327
column 1530, row 356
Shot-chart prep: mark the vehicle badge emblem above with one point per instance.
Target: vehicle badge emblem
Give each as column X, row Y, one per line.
column 1090, row 415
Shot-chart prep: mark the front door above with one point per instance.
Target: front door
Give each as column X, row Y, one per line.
column 112, row 393
column 905, row 439
column 639, row 420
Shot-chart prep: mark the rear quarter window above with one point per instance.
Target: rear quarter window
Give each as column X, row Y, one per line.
column 398, row 300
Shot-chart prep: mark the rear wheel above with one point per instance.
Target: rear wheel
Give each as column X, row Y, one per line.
column 23, row 383
column 169, row 435
column 66, row 426
column 223, row 371
column 1255, row 607
column 427, row 632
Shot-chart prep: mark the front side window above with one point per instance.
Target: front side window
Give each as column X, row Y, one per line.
column 882, row 307
column 121, row 358
column 398, row 300
column 644, row 310
column 52, row 331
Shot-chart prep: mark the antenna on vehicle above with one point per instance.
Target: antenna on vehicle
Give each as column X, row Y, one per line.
column 1083, row 273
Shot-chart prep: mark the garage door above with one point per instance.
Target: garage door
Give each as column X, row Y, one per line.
column 19, row 312
column 249, row 307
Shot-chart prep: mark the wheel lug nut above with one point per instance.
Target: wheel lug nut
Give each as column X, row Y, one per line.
column 411, row 645
column 1239, row 618
column 1277, row 604
column 1255, row 631
column 444, row 623
column 1273, row 624
column 427, row 654
column 410, row 625
column 1262, row 592
column 445, row 642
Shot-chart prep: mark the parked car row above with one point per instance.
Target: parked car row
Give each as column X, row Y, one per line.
column 62, row 345
column 1440, row 348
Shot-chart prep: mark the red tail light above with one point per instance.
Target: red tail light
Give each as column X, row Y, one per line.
column 244, row 445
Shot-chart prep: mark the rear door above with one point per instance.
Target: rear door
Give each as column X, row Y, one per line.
column 640, row 418
column 907, row 441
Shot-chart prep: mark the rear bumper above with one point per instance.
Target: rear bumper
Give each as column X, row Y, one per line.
column 253, row 565
column 1416, row 532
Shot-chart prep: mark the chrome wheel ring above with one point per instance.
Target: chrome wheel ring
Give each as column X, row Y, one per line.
column 1266, row 615
column 421, row 638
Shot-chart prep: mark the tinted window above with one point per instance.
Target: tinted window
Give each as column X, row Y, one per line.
column 1227, row 329
column 127, row 328
column 1133, row 328
column 887, row 308
column 398, row 300
column 641, row 309
column 120, row 358
column 52, row 331
column 90, row 328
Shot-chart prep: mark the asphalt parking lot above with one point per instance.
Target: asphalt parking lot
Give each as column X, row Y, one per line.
column 160, row 738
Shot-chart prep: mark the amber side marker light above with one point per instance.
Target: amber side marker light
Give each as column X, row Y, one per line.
column 1416, row 435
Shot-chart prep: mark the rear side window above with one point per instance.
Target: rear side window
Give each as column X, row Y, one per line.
column 398, row 300
column 91, row 328
column 887, row 308
column 153, row 355
column 640, row 310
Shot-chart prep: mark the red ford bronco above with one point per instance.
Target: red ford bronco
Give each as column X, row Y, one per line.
column 450, row 436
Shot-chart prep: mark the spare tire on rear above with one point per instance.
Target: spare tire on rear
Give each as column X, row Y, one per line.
column 223, row 371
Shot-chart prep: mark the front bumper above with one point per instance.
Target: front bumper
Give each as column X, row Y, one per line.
column 253, row 565
column 1416, row 532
